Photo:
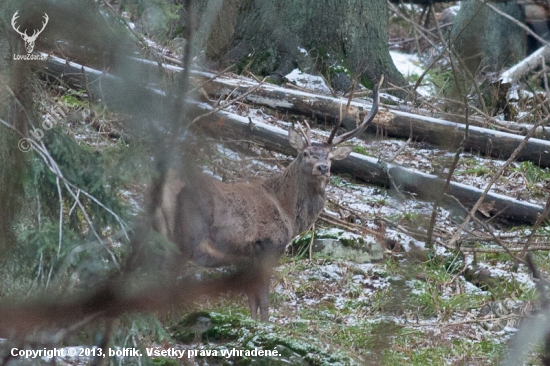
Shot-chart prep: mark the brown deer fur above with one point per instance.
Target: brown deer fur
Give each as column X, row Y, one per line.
column 250, row 224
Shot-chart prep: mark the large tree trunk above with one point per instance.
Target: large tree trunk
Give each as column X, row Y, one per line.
column 342, row 40
column 486, row 40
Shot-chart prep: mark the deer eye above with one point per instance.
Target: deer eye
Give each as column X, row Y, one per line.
column 306, row 154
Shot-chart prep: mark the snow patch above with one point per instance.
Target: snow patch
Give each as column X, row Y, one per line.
column 302, row 50
column 307, row 81
column 409, row 66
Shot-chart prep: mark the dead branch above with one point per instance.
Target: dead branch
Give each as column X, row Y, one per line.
column 528, row 64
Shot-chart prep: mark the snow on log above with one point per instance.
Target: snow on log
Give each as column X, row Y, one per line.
column 394, row 122
column 528, row 64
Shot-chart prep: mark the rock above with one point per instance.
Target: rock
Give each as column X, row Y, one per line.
column 359, row 253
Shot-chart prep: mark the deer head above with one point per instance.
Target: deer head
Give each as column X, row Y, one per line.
column 316, row 158
column 29, row 40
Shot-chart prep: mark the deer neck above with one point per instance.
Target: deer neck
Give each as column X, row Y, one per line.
column 302, row 199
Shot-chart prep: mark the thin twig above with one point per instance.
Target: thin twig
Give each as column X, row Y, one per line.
column 311, row 241
column 225, row 105
column 543, row 216
column 399, row 151
column 491, row 232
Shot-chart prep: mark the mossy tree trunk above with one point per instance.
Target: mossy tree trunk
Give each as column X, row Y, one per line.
column 343, row 40
column 16, row 103
column 486, row 40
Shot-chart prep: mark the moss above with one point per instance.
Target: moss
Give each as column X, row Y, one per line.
column 356, row 243
column 442, row 80
column 329, row 236
column 242, row 333
column 366, row 82
column 361, row 150
column 511, row 112
column 300, row 245
column 186, row 331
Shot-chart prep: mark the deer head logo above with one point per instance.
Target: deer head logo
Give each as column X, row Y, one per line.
column 29, row 40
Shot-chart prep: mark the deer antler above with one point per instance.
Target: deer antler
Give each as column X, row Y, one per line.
column 363, row 126
column 35, row 33
column 336, row 126
column 13, row 19
column 46, row 18
column 306, row 133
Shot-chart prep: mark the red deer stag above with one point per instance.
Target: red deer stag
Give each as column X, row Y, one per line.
column 250, row 224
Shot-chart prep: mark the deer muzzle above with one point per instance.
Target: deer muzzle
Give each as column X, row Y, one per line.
column 321, row 169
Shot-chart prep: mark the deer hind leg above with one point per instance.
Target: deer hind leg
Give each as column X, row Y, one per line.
column 253, row 303
column 263, row 294
column 254, row 291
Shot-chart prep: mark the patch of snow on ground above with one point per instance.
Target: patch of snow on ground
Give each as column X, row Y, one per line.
column 451, row 11
column 523, row 278
column 312, row 82
column 409, row 65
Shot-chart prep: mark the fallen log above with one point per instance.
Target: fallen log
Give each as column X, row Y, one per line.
column 531, row 62
column 235, row 127
column 499, row 125
column 424, row 186
column 395, row 123
column 214, row 82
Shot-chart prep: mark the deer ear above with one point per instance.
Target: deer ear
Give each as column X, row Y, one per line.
column 342, row 152
column 295, row 140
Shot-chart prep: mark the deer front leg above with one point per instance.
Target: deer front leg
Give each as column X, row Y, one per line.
column 263, row 262
column 258, row 299
column 264, row 300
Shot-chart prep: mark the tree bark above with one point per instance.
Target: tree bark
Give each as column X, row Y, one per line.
column 486, row 40
column 342, row 40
